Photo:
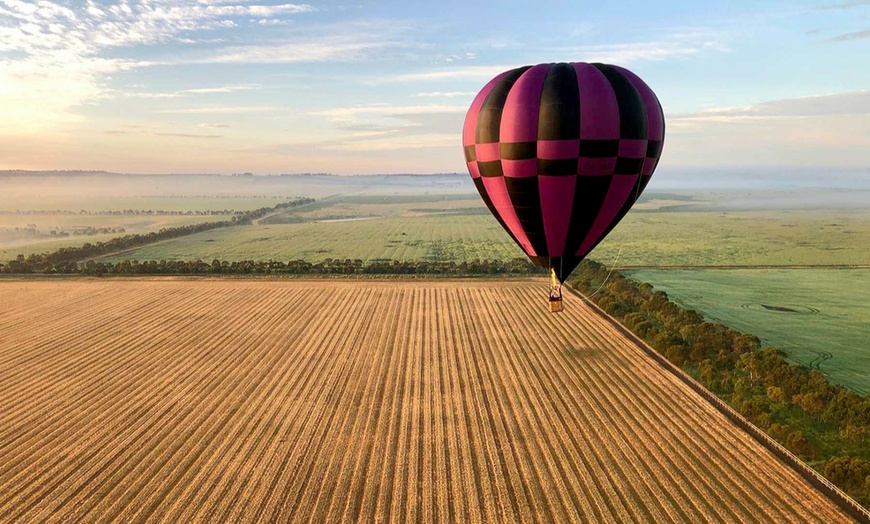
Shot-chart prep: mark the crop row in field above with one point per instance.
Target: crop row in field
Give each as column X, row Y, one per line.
column 74, row 201
column 371, row 206
column 820, row 317
column 13, row 243
column 643, row 239
column 705, row 238
column 252, row 401
column 436, row 238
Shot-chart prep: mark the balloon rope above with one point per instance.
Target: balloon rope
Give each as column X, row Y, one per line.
column 618, row 253
column 608, row 273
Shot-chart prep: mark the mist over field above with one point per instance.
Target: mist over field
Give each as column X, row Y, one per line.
column 773, row 178
column 39, row 210
column 721, row 189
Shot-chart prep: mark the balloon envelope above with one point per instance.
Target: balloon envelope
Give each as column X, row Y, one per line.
column 560, row 153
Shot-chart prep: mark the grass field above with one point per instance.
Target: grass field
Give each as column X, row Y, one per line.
column 431, row 237
column 821, row 318
column 378, row 206
column 647, row 237
column 259, row 401
column 13, row 243
column 76, row 202
column 458, row 229
column 739, row 238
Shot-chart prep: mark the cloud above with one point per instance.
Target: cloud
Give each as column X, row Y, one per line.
column 213, row 126
column 392, row 118
column 457, row 57
column 150, row 95
column 853, row 103
column 635, row 52
column 458, row 73
column 446, row 94
column 54, row 57
column 341, row 42
column 187, row 135
column 383, row 127
column 857, row 35
column 343, row 48
column 394, row 143
column 846, row 5
column 825, row 130
column 39, row 93
column 259, row 10
column 447, row 122
column 380, row 127
column 187, row 92
column 828, row 141
column 273, row 21
column 388, row 110
column 677, row 45
column 221, row 89
column 221, row 110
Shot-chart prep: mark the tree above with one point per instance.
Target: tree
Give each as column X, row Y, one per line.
column 850, row 473
column 856, row 433
column 798, row 444
column 810, row 402
column 778, row 431
column 776, row 394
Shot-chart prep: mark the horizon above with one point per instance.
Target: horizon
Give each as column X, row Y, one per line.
column 690, row 179
column 216, row 86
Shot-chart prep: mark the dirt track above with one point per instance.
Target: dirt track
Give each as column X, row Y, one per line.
column 225, row 401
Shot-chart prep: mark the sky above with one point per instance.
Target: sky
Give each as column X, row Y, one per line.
column 229, row 86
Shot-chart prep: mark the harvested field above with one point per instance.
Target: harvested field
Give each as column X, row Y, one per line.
column 339, row 401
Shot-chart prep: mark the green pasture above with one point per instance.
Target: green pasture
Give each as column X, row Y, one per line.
column 651, row 237
column 425, row 237
column 458, row 228
column 737, row 238
column 819, row 317
column 72, row 201
column 382, row 206
column 13, row 243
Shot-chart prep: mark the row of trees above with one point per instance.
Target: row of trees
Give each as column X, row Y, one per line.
column 66, row 260
column 86, row 231
column 124, row 212
column 826, row 424
column 517, row 266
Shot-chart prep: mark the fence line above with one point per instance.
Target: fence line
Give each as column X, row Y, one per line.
column 838, row 496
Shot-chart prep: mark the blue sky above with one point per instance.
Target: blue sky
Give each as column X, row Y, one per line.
column 225, row 86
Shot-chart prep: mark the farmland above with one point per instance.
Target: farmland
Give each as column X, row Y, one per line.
column 209, row 400
column 97, row 191
column 433, row 238
column 459, row 228
column 17, row 237
column 821, row 318
column 739, row 238
column 75, row 201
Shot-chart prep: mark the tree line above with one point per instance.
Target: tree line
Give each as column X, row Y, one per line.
column 825, row 424
column 123, row 212
column 66, row 259
column 518, row 266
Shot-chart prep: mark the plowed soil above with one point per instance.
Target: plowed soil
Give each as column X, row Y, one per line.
column 343, row 401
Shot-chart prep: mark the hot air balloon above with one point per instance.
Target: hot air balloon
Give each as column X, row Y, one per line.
column 559, row 153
